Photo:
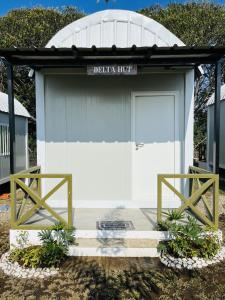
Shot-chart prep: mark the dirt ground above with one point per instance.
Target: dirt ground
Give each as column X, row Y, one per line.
column 114, row 278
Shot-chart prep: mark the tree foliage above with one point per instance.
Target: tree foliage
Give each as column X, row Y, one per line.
column 34, row 27
column 195, row 23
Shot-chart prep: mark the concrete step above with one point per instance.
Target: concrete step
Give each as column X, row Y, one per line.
column 113, row 252
column 111, row 243
column 119, row 243
column 125, row 234
column 113, row 247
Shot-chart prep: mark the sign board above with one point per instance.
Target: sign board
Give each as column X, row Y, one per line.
column 112, row 69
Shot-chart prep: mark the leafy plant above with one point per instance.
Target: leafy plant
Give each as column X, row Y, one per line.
column 53, row 254
column 28, row 257
column 189, row 240
column 58, row 234
column 192, row 229
column 56, row 241
column 16, row 255
column 54, row 248
column 174, row 215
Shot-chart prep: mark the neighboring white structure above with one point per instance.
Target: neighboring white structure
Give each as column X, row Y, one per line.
column 21, row 126
column 210, row 129
column 115, row 133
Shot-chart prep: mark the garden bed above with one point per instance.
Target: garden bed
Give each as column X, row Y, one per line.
column 115, row 278
column 191, row 263
column 15, row 270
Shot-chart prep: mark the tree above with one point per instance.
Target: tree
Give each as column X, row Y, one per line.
column 200, row 24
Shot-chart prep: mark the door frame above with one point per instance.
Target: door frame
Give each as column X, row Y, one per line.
column 177, row 123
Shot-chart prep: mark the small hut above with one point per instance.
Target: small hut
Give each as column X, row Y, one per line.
column 210, row 130
column 114, row 109
column 114, row 124
column 21, row 131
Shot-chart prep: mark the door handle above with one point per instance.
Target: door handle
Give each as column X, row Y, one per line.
column 139, row 145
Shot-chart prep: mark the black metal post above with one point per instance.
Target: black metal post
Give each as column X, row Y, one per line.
column 11, row 116
column 216, row 140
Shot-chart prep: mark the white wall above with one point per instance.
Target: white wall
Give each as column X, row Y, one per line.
column 57, row 101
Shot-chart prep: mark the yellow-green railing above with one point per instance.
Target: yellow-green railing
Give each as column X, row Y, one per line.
column 203, row 182
column 18, row 217
column 197, row 170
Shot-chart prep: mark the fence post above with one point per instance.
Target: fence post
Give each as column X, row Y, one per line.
column 216, row 201
column 12, row 201
column 159, row 199
column 70, row 206
column 39, row 186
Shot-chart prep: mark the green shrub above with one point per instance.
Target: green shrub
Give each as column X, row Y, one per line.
column 189, row 240
column 16, row 255
column 53, row 254
column 208, row 246
column 30, row 257
column 56, row 243
column 54, row 248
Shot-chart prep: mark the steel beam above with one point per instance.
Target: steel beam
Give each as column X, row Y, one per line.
column 11, row 116
column 216, row 139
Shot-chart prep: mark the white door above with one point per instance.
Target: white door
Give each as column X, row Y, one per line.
column 155, row 143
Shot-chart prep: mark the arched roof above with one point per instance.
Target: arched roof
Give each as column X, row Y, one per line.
column 114, row 27
column 20, row 110
column 212, row 97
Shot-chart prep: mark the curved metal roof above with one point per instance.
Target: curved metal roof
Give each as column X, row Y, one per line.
column 122, row 28
column 212, row 97
column 20, row 110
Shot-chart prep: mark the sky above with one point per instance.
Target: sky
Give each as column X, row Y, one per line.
column 87, row 6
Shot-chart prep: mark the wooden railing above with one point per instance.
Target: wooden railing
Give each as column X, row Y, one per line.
column 26, row 180
column 197, row 170
column 200, row 184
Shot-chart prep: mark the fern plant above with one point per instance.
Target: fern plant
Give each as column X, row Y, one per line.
column 174, row 215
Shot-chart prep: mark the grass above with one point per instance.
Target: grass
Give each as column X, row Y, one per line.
column 115, row 278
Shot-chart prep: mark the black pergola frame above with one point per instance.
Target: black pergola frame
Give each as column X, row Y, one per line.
column 73, row 57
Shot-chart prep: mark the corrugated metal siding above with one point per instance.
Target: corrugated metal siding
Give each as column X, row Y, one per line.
column 114, row 27
column 20, row 123
column 211, row 134
column 20, row 110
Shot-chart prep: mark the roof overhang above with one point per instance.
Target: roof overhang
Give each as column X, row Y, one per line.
column 77, row 57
